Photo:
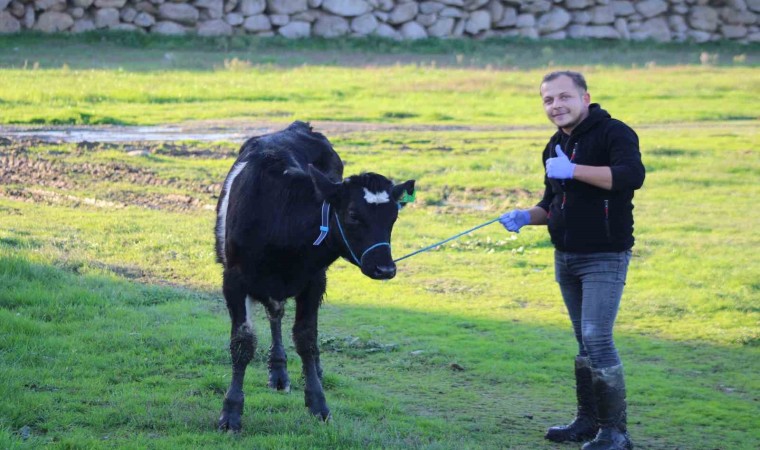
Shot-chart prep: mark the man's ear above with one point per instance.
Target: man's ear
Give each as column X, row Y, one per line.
column 326, row 190
column 403, row 193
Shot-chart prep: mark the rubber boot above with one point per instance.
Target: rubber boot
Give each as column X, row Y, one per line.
column 584, row 427
column 609, row 389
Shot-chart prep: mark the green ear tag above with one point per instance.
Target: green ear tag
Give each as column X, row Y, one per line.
column 406, row 198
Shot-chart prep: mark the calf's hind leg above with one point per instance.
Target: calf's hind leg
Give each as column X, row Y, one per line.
column 242, row 347
column 305, row 338
column 278, row 360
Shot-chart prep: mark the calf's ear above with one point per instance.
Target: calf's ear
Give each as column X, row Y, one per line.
column 326, row 189
column 403, row 193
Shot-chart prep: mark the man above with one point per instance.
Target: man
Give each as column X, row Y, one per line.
column 593, row 165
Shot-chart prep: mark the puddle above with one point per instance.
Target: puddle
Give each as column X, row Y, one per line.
column 112, row 134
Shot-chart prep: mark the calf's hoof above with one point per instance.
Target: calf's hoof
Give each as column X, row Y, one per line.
column 230, row 419
column 230, row 422
column 279, row 380
column 323, row 414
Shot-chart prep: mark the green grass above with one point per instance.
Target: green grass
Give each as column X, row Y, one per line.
column 113, row 332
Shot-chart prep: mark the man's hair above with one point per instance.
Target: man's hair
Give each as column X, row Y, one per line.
column 577, row 78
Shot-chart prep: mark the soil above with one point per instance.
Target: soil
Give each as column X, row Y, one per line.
column 28, row 174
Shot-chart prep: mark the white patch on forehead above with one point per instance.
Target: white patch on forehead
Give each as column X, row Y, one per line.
column 376, row 197
column 225, row 202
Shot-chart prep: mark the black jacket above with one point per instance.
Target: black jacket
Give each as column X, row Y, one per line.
column 588, row 219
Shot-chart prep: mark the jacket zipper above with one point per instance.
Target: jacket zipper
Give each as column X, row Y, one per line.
column 564, row 193
column 607, row 218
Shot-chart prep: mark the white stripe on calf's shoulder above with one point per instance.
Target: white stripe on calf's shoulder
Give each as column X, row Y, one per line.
column 236, row 169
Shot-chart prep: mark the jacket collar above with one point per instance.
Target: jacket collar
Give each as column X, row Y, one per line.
column 595, row 115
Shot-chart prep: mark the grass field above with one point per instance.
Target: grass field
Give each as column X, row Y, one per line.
column 113, row 332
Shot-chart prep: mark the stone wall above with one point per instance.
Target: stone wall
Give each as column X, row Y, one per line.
column 660, row 20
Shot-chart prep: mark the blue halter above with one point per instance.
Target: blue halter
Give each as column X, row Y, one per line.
column 325, row 227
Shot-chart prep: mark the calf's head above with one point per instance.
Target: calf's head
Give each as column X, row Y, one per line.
column 365, row 208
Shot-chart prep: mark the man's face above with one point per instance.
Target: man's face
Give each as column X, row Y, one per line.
column 565, row 104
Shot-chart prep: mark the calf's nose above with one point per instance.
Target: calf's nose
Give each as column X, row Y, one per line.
column 385, row 272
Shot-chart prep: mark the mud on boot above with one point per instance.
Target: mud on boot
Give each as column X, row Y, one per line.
column 584, row 427
column 609, row 389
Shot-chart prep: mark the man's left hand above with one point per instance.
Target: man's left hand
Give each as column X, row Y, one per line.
column 560, row 167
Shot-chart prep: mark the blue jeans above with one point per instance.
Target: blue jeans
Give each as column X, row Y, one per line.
column 592, row 285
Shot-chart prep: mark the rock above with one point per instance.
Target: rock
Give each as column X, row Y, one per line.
column 478, row 21
column 656, row 28
column 168, row 28
column 50, row 5
column 8, row 23
column 509, row 19
column 703, row 18
column 364, row 24
column 581, row 17
column 295, row 30
column 252, row 7
column 178, row 12
column 30, row 18
column 279, row 20
column 451, row 12
column 525, row 21
column 426, row 19
column 17, row 9
column 125, row 27
column 215, row 27
column 651, row 8
column 127, row 14
column 536, row 6
column 622, row 8
column 622, row 28
column 331, row 26
column 496, row 9
column 413, row 30
column 593, row 32
column 403, row 12
column 578, row 4
column 110, row 3
column 106, row 17
column 347, row 8
column 557, row 35
column 259, row 22
column 386, row 31
column 602, row 15
column 83, row 25
column 733, row 31
column 234, row 19
column 143, row 19
column 442, row 28
column 287, row 6
column 554, row 20
column 699, row 36
column 431, row 7
column 53, row 22
column 214, row 8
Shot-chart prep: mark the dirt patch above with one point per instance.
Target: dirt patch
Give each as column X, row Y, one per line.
column 49, row 179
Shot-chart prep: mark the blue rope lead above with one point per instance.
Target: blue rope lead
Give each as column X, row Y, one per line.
column 430, row 247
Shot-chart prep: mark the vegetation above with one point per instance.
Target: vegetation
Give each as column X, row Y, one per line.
column 113, row 332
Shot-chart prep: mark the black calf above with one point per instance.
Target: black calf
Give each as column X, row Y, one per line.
column 269, row 214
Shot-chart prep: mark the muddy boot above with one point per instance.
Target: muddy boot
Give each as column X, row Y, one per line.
column 609, row 389
column 584, row 427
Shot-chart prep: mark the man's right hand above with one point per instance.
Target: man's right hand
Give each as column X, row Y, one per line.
column 515, row 219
